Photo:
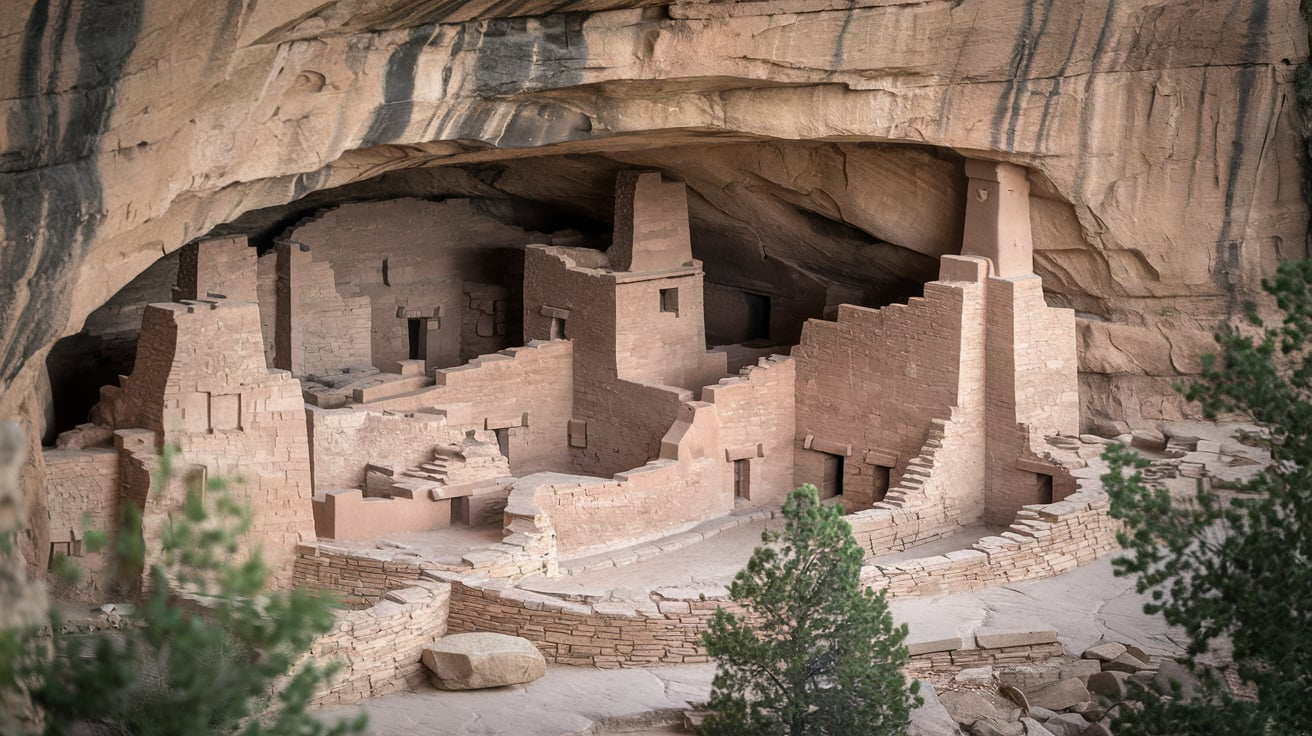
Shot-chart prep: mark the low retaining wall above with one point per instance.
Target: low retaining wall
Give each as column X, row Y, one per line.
column 379, row 647
column 1045, row 540
column 359, row 577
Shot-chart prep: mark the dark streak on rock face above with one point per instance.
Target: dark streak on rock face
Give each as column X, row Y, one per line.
column 522, row 54
column 1227, row 247
column 1023, row 52
column 49, row 185
column 1087, row 109
column 1054, row 94
column 393, row 115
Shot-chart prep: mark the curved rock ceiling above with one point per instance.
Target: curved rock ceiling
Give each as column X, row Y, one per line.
column 824, row 136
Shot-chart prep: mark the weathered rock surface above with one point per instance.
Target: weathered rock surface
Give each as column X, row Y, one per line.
column 931, row 718
column 821, row 143
column 1059, row 695
column 482, row 659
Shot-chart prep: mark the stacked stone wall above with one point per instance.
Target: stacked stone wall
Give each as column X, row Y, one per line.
column 527, row 390
column 379, row 648
column 344, row 441
column 82, row 492
column 201, row 384
column 1045, row 540
column 758, row 419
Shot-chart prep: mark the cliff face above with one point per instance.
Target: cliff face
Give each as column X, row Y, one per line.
column 820, row 138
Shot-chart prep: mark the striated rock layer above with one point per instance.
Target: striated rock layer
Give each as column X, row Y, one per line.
column 820, row 140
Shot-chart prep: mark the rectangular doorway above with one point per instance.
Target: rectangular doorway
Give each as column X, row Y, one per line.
column 758, row 316
column 883, row 477
column 503, row 441
column 742, row 479
column 1043, row 488
column 418, row 338
column 831, row 476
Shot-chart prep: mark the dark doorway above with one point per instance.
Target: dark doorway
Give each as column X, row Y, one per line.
column 882, row 480
column 742, row 479
column 503, row 441
column 758, row 316
column 1043, row 489
column 831, row 477
column 418, row 338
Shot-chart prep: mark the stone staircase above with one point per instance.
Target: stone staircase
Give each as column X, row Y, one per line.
column 918, row 471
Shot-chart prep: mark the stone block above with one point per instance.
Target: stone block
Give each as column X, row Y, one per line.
column 997, row 638
column 1059, row 695
column 481, row 660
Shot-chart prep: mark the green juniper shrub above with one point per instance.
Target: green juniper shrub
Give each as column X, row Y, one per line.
column 1234, row 569
column 814, row 651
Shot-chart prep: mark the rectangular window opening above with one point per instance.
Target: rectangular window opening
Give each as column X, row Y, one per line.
column 557, row 328
column 670, row 300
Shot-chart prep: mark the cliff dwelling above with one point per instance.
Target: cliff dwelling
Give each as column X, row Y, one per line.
column 494, row 310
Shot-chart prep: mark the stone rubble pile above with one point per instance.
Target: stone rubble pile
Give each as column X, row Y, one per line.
column 1063, row 696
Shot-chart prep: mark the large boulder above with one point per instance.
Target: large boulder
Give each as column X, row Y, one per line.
column 482, row 659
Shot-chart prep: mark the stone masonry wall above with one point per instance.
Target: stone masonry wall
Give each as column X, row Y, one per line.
column 266, row 294
column 686, row 485
column 343, row 441
column 202, row 385
column 317, row 330
column 222, row 267
column 527, row 390
column 1032, row 389
column 379, row 648
column 869, row 383
column 660, row 332
column 82, row 491
column 409, row 258
column 615, row 327
column 758, row 418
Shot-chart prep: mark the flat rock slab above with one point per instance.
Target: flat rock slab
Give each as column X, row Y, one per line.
column 480, row 660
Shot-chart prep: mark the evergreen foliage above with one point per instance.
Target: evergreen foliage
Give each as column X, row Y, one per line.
column 1236, row 571
column 815, row 652
column 208, row 650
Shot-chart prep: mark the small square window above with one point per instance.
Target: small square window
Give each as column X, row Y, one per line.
column 670, row 300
